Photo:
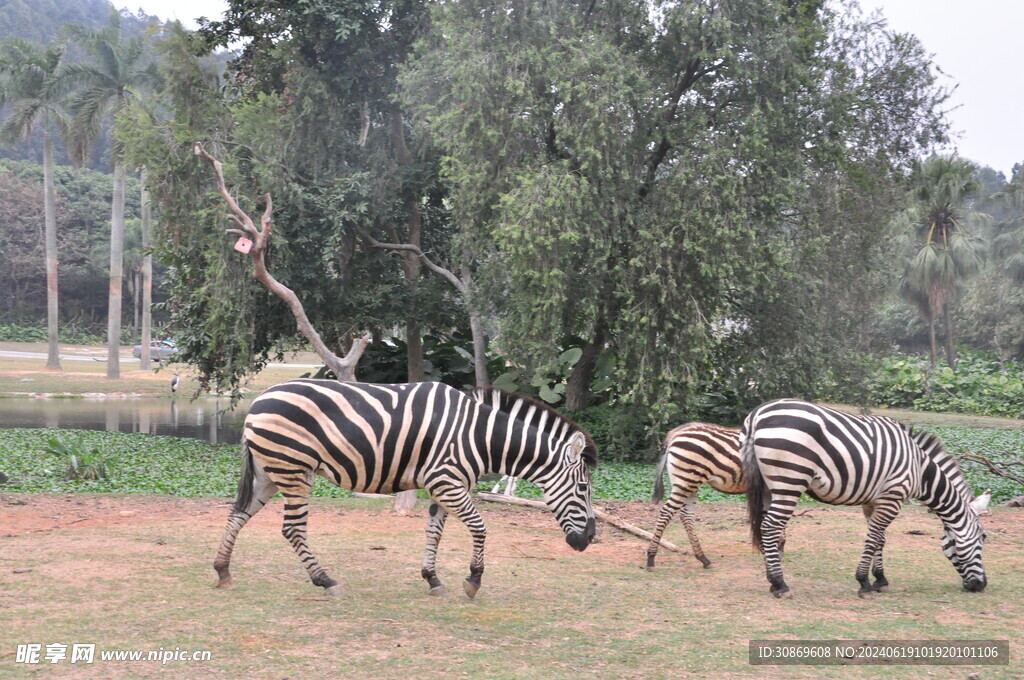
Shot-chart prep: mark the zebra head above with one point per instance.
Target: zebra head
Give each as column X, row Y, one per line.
column 567, row 490
column 963, row 548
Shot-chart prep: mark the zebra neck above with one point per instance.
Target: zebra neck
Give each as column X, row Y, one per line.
column 517, row 449
column 942, row 487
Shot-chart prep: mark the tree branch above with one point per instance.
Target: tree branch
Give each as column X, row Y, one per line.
column 456, row 282
column 344, row 368
column 995, row 469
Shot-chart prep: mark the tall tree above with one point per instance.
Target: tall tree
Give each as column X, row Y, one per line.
column 341, row 61
column 29, row 82
column 641, row 179
column 945, row 252
column 120, row 67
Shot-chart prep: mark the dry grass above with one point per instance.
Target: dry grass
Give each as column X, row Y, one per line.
column 29, row 377
column 134, row 573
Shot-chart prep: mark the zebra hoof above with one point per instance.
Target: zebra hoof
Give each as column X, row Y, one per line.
column 438, row 591
column 333, row 591
column 866, row 594
column 783, row 594
column 225, row 583
column 650, row 563
column 470, row 588
column 705, row 561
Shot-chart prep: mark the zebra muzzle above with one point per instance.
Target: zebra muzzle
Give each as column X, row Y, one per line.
column 579, row 540
column 975, row 584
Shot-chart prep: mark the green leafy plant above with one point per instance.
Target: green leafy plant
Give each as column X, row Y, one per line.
column 79, row 463
column 980, row 386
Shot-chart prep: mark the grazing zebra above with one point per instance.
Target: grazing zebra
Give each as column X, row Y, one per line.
column 695, row 454
column 791, row 447
column 386, row 438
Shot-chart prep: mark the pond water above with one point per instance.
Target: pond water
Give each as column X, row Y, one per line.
column 209, row 419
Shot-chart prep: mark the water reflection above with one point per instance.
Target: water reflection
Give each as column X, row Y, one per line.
column 209, row 419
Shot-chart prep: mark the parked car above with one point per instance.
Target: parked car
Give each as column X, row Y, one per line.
column 161, row 350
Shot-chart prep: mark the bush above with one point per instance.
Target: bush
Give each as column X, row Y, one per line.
column 980, row 386
column 621, row 435
column 70, row 334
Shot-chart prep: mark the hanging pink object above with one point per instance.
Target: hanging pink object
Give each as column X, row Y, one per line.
column 243, row 245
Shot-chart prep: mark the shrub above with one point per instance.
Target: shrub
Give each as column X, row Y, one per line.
column 980, row 386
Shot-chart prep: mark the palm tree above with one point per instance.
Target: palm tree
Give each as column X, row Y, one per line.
column 119, row 70
column 30, row 76
column 945, row 252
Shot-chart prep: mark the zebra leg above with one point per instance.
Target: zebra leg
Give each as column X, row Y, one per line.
column 295, row 489
column 773, row 531
column 668, row 510
column 435, row 527
column 691, row 531
column 262, row 491
column 454, row 498
column 877, row 570
column 880, row 514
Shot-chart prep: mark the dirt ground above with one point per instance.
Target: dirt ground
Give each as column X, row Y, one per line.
column 135, row 572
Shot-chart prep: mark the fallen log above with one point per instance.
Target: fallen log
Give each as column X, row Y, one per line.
column 601, row 515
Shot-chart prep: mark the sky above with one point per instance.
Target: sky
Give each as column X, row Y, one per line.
column 975, row 44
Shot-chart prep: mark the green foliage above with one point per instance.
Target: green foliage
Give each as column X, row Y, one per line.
column 70, row 333
column 621, row 434
column 981, row 385
column 81, row 464
column 550, row 382
column 149, row 464
column 447, row 360
column 1002, row 447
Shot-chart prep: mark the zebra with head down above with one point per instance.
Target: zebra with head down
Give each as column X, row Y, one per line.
column 385, row 438
column 792, row 447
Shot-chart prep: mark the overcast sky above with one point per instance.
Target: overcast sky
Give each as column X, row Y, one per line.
column 976, row 44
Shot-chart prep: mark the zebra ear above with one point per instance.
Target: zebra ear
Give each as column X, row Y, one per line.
column 576, row 447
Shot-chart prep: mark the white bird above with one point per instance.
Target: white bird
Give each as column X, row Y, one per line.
column 174, row 383
column 980, row 504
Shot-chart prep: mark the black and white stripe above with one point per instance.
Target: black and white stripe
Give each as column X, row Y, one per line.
column 792, row 447
column 388, row 438
column 695, row 454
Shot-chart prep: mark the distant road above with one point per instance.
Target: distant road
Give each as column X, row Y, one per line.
column 10, row 354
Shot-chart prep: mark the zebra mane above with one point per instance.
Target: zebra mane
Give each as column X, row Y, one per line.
column 506, row 400
column 935, row 450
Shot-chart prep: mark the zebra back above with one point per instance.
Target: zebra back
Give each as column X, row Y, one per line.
column 556, row 426
column 699, row 453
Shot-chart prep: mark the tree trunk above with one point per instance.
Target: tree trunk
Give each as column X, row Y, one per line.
column 147, row 276
column 116, row 274
column 932, row 345
column 411, row 262
column 476, row 329
column 50, row 210
column 950, row 351
column 135, row 289
column 577, row 393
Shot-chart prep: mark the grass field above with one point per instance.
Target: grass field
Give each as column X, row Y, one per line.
column 133, row 573
column 130, row 570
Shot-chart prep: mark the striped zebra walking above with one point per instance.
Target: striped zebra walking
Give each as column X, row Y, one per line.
column 695, row 454
column 792, row 447
column 387, row 438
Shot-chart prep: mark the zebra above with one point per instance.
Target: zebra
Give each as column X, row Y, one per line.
column 695, row 454
column 791, row 447
column 379, row 438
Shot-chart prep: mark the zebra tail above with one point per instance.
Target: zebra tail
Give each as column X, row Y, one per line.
column 244, row 496
column 659, row 483
column 757, row 489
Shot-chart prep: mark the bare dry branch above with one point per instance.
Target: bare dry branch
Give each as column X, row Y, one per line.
column 456, row 282
column 601, row 515
column 345, row 367
column 995, row 469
